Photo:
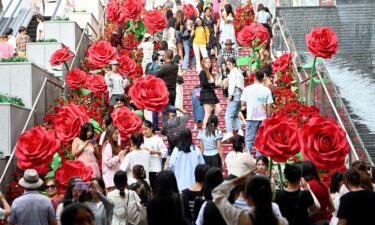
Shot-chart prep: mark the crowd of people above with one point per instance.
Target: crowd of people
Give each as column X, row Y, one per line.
column 11, row 45
column 181, row 183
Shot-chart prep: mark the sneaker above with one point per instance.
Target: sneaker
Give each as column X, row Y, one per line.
column 227, row 136
column 240, row 132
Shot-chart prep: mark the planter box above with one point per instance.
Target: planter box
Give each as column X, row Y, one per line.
column 40, row 54
column 12, row 121
column 91, row 6
column 68, row 33
column 82, row 18
column 24, row 80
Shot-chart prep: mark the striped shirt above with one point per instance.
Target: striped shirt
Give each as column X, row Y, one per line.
column 32, row 208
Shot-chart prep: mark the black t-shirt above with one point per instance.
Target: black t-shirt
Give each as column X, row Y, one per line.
column 294, row 206
column 357, row 207
column 191, row 196
column 212, row 216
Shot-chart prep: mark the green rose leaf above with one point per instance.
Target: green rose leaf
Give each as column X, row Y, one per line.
column 85, row 91
column 96, row 126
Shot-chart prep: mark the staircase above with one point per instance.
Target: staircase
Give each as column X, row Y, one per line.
column 191, row 79
column 31, row 29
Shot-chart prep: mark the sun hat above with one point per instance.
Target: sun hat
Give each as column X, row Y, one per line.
column 30, row 179
column 114, row 62
column 147, row 35
column 229, row 41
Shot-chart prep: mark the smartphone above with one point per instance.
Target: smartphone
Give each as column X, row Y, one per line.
column 81, row 186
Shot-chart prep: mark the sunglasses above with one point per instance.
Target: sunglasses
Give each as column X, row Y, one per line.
column 50, row 186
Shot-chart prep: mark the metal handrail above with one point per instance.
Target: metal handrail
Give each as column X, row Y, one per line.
column 46, row 80
column 353, row 151
column 5, row 10
column 58, row 3
column 79, row 44
column 6, row 24
column 83, row 34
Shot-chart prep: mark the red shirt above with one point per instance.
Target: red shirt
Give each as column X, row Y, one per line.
column 321, row 192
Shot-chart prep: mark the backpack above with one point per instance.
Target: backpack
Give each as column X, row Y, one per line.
column 173, row 133
column 136, row 214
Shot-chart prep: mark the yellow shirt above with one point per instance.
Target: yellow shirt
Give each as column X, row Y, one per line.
column 201, row 35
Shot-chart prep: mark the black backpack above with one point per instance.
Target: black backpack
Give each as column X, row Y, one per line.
column 173, row 133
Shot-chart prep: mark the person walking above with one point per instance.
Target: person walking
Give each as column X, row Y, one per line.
column 32, row 208
column 201, row 35
column 235, row 88
column 257, row 100
column 208, row 96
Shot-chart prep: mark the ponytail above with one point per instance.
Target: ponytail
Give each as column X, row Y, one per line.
column 211, row 125
column 122, row 192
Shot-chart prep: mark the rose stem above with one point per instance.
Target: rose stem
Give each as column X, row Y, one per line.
column 270, row 168
column 312, row 71
column 66, row 66
column 298, row 85
column 280, row 176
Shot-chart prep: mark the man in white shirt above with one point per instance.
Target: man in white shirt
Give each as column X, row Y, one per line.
column 257, row 100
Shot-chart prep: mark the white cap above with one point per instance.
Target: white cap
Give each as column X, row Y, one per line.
column 147, row 35
column 114, row 62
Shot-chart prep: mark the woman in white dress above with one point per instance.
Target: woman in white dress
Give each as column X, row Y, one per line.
column 226, row 26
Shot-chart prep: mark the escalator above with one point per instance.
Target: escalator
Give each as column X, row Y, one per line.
column 31, row 29
column 17, row 14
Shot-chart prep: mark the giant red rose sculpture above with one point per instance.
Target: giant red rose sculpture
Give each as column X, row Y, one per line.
column 113, row 10
column 282, row 63
column 101, row 53
column 278, row 138
column 155, row 20
column 75, row 79
column 60, row 56
column 324, row 142
column 189, row 10
column 127, row 122
column 35, row 149
column 131, row 9
column 127, row 66
column 70, row 169
column 322, row 42
column 251, row 32
column 150, row 93
column 96, row 83
column 68, row 122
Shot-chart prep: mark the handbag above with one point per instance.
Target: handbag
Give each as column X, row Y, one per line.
column 180, row 79
column 136, row 214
